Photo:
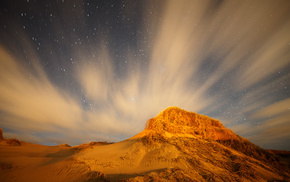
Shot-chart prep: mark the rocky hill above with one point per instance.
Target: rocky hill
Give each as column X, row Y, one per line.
column 200, row 138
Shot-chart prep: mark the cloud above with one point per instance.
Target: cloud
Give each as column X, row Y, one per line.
column 271, row 132
column 273, row 110
column 31, row 101
column 30, row 104
column 97, row 78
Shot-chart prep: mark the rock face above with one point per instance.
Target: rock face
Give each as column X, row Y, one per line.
column 1, row 134
column 174, row 121
column 204, row 143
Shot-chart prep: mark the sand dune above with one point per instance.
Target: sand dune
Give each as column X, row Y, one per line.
column 176, row 145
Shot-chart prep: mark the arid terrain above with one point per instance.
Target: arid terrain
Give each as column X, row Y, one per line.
column 176, row 145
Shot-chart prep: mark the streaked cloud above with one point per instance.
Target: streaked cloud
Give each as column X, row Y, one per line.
column 225, row 59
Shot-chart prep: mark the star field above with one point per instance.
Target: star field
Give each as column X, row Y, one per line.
column 79, row 71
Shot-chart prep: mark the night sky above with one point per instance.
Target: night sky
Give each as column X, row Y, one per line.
column 75, row 71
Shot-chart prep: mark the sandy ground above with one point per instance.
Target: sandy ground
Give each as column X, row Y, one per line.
column 30, row 162
column 132, row 160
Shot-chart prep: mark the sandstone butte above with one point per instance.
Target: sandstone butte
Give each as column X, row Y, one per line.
column 176, row 145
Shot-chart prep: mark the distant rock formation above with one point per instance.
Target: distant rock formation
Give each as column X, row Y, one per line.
column 64, row 145
column 1, row 134
column 12, row 142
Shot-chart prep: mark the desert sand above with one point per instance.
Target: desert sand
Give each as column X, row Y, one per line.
column 176, row 145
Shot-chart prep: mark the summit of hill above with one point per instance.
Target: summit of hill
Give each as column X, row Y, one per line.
column 176, row 121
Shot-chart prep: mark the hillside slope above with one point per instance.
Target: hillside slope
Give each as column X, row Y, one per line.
column 178, row 144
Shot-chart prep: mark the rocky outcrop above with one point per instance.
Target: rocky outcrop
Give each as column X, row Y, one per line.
column 1, row 134
column 174, row 120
